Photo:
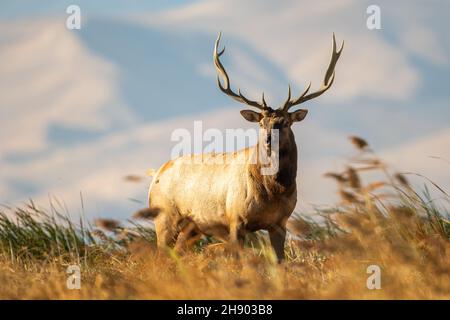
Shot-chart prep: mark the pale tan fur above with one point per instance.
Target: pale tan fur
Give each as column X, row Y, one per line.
column 223, row 200
column 229, row 197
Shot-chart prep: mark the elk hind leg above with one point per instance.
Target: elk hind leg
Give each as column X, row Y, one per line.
column 189, row 234
column 166, row 227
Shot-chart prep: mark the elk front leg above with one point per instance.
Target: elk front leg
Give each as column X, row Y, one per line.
column 277, row 236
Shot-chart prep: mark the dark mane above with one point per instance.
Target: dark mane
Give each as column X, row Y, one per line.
column 284, row 181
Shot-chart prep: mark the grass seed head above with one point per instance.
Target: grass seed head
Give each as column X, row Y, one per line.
column 348, row 197
column 353, row 178
column 336, row 176
column 133, row 178
column 359, row 143
column 146, row 213
column 107, row 224
column 402, row 180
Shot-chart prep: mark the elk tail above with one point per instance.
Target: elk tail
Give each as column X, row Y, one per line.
column 147, row 213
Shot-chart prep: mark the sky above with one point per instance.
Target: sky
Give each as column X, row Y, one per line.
column 82, row 109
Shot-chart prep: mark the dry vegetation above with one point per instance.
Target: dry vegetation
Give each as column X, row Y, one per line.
column 384, row 222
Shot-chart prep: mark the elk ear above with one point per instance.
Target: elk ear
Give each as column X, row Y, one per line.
column 298, row 115
column 251, row 116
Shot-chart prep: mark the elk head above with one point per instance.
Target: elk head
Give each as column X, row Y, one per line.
column 280, row 119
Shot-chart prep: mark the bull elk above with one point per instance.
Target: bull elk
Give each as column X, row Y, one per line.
column 231, row 198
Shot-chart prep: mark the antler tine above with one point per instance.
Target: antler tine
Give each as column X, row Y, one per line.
column 327, row 81
column 263, row 101
column 225, row 88
column 286, row 103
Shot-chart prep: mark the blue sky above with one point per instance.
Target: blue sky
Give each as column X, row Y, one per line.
column 23, row 8
column 80, row 109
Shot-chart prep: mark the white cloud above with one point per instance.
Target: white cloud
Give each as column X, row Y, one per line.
column 48, row 77
column 420, row 29
column 423, row 42
column 242, row 69
column 428, row 156
column 296, row 37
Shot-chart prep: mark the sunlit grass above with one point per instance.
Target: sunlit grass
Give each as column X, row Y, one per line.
column 381, row 221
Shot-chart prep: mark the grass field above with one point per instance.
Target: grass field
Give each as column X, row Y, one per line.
column 383, row 222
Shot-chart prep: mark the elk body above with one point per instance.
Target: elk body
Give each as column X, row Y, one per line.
column 227, row 195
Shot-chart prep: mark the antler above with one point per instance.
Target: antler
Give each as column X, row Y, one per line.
column 226, row 87
column 327, row 82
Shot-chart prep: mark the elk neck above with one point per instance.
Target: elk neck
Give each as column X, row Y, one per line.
column 283, row 182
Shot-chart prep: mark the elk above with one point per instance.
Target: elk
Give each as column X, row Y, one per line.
column 231, row 198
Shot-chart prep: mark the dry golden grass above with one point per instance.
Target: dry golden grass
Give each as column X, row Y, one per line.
column 413, row 266
column 382, row 223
